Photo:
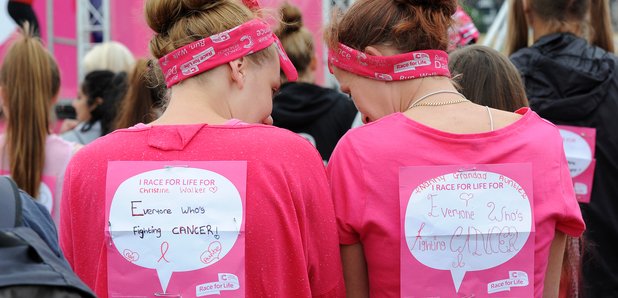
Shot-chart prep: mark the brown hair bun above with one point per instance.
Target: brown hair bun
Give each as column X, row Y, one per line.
column 448, row 7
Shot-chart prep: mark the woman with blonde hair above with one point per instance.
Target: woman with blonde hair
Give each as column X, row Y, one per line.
column 257, row 221
column 35, row 158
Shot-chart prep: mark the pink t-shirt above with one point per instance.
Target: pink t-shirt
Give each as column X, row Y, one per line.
column 58, row 153
column 364, row 176
column 291, row 245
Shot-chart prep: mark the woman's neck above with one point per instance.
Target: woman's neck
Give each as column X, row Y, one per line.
column 542, row 28
column 190, row 103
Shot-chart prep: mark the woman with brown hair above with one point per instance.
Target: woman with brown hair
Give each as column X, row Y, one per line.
column 570, row 78
column 253, row 219
column 35, row 158
column 488, row 77
column 413, row 188
column 143, row 102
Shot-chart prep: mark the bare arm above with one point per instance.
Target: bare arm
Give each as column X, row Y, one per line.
column 355, row 271
column 554, row 267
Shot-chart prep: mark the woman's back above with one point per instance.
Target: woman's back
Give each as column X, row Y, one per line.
column 368, row 160
column 289, row 228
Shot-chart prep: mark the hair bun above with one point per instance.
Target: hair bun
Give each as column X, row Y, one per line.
column 449, row 7
column 292, row 19
column 162, row 14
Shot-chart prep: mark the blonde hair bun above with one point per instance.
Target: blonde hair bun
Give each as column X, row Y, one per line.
column 292, row 19
column 161, row 15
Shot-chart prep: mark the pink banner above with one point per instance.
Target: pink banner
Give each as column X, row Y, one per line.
column 467, row 231
column 176, row 228
column 129, row 27
column 579, row 145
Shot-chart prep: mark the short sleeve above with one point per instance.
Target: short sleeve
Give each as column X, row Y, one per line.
column 66, row 221
column 570, row 222
column 346, row 179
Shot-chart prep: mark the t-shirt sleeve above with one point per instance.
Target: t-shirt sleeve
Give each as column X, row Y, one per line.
column 324, row 263
column 66, row 224
column 346, row 177
column 570, row 222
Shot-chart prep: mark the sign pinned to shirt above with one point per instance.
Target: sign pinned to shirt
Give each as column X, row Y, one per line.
column 464, row 226
column 176, row 228
column 579, row 145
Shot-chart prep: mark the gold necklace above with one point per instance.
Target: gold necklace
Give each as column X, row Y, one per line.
column 437, row 104
column 419, row 103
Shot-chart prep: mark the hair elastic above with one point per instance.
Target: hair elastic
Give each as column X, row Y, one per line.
column 408, row 66
column 210, row 52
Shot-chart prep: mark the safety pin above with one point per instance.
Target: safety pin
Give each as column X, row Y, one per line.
column 167, row 167
column 467, row 170
column 167, row 295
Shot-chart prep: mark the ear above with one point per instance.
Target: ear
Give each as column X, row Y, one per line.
column 314, row 63
column 97, row 102
column 238, row 69
column 373, row 51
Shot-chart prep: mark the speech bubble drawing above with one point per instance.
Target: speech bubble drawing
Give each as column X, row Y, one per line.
column 467, row 222
column 165, row 219
column 577, row 151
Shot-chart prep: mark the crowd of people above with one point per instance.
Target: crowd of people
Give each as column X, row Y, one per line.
column 256, row 181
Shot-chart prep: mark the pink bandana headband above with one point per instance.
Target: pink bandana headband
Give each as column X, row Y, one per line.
column 210, row 52
column 408, row 66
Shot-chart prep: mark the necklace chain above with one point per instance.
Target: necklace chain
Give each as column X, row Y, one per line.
column 437, row 104
column 419, row 103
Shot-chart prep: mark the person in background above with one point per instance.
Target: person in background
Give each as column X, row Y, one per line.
column 570, row 77
column 21, row 12
column 463, row 32
column 418, row 121
column 143, row 102
column 97, row 105
column 35, row 159
column 487, row 77
column 216, row 113
column 109, row 56
column 321, row 115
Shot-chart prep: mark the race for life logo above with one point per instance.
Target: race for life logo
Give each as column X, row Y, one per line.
column 221, row 37
column 383, row 77
column 420, row 59
column 192, row 66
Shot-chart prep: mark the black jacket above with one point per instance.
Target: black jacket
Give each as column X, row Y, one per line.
column 319, row 114
column 571, row 82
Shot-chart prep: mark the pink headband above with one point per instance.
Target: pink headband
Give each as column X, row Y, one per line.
column 408, row 66
column 210, row 52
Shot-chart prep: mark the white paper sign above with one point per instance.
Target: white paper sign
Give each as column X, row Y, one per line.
column 175, row 219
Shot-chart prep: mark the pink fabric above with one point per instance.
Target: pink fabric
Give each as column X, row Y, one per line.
column 58, row 153
column 364, row 179
column 253, row 4
column 400, row 67
column 210, row 52
column 291, row 240
column 463, row 32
